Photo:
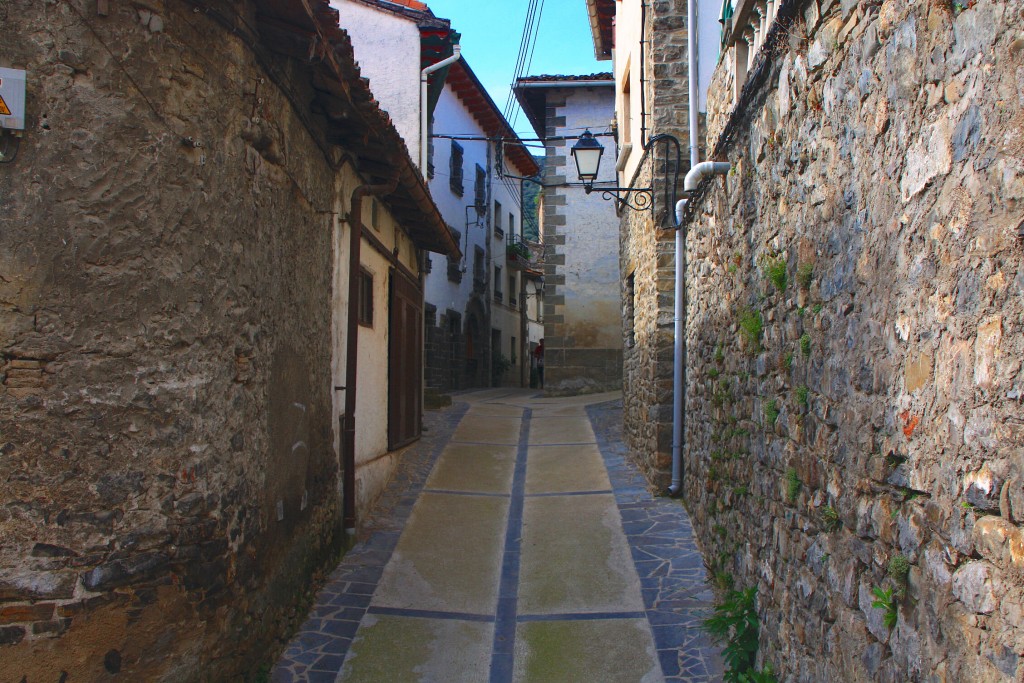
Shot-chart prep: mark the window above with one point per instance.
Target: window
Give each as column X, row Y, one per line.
column 365, row 297
column 479, row 274
column 512, row 289
column 498, row 232
column 511, row 223
column 480, row 189
column 430, row 150
column 455, row 169
column 454, row 264
column 513, row 355
column 497, row 283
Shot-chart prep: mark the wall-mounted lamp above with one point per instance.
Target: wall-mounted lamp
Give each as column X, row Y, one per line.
column 587, row 153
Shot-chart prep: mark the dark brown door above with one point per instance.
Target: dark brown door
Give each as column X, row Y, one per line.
column 405, row 361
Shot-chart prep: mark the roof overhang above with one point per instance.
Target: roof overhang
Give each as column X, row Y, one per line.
column 478, row 103
column 602, row 16
column 532, row 93
column 324, row 65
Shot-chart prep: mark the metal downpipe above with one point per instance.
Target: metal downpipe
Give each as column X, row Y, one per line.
column 355, row 226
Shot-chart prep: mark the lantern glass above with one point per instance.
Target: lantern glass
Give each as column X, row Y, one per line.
column 587, row 152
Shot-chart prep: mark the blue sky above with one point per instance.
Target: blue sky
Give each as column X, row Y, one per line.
column 492, row 30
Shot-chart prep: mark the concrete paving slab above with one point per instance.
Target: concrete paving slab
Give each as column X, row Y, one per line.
column 436, row 650
column 610, row 650
column 559, row 469
column 449, row 556
column 474, row 467
column 575, row 557
column 561, row 430
column 488, row 429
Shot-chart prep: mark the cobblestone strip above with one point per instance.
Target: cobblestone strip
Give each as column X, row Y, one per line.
column 672, row 576
column 317, row 651
column 503, row 652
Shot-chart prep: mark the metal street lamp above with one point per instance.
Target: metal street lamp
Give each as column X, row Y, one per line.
column 587, row 152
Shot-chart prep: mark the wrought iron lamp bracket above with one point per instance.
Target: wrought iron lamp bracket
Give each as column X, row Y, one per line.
column 642, row 197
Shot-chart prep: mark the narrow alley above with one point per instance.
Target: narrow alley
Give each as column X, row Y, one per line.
column 514, row 544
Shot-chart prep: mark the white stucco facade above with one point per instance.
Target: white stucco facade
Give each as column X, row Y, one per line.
column 630, row 65
column 387, row 48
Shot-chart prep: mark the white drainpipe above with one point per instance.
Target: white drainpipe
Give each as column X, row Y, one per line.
column 697, row 173
column 424, row 129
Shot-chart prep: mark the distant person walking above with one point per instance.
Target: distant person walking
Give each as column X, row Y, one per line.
column 538, row 353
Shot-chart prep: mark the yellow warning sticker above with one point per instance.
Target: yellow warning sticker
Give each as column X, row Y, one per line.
column 4, row 109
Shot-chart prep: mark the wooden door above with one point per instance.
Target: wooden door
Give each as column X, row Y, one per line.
column 405, row 361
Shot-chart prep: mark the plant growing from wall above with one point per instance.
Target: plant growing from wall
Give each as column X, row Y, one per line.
column 751, row 326
column 804, row 274
column 830, row 518
column 787, row 361
column 771, row 411
column 719, row 354
column 793, row 485
column 805, row 344
column 802, row 394
column 775, row 272
column 899, row 568
column 735, row 625
column 886, row 599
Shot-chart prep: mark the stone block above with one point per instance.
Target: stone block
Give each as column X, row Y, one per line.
column 22, row 613
column 974, row 587
column 986, row 351
column 918, row 372
column 982, row 489
column 11, row 635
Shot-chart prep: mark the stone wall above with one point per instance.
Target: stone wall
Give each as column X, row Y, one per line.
column 165, row 285
column 582, row 328
column 860, row 427
column 647, row 249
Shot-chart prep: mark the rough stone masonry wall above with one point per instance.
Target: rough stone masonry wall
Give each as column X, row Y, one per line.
column 164, row 345
column 647, row 252
column 878, row 414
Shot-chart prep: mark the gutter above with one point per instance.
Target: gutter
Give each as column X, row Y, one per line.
column 356, row 227
column 424, row 124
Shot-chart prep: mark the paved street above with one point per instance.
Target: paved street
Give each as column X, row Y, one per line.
column 515, row 544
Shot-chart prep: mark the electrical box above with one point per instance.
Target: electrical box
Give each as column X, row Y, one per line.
column 12, row 99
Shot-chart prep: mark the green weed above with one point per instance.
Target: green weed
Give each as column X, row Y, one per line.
column 830, row 518
column 804, row 274
column 793, row 485
column 735, row 625
column 802, row 394
column 771, row 411
column 805, row 344
column 775, row 272
column 751, row 326
column 885, row 599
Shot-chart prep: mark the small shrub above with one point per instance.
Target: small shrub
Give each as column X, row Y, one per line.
column 830, row 518
column 899, row 567
column 735, row 625
column 775, row 271
column 713, row 373
column 885, row 599
column 719, row 354
column 739, row 490
column 751, row 326
column 805, row 344
column 802, row 394
column 787, row 361
column 793, row 485
column 804, row 274
column 771, row 411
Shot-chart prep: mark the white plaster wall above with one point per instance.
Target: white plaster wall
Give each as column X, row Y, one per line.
column 626, row 55
column 372, row 470
column 387, row 48
column 591, row 269
column 452, row 118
